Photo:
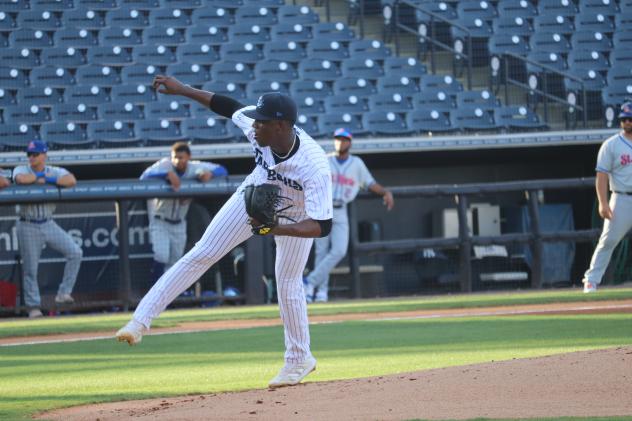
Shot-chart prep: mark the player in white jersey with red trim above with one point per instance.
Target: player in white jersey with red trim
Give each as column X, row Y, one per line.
column 286, row 156
column 349, row 176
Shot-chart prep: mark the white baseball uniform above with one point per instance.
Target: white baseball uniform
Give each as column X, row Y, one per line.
column 304, row 178
column 614, row 159
column 348, row 177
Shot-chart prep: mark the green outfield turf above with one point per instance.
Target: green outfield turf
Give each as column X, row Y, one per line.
column 111, row 322
column 39, row 377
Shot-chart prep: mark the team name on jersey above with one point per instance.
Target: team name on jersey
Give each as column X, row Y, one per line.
column 342, row 180
column 273, row 175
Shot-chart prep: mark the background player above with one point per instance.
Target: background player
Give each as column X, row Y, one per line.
column 286, row 156
column 167, row 217
column 349, row 175
column 614, row 168
column 36, row 228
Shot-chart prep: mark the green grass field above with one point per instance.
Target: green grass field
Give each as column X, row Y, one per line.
column 46, row 376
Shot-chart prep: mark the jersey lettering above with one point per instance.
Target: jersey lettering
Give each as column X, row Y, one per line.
column 625, row 159
column 273, row 175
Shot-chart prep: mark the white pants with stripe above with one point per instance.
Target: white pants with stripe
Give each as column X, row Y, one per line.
column 229, row 228
column 167, row 240
column 613, row 232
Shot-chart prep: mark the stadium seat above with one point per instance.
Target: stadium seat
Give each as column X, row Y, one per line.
column 274, row 4
column 434, row 99
column 340, row 104
column 203, row 33
column 588, row 40
column 588, row 60
column 549, row 42
column 84, row 19
column 159, row 132
column 28, row 114
column 140, row 73
column 616, row 94
column 256, row 88
column 516, row 8
column 156, row 54
column 446, row 83
column 498, row 44
column 128, row 17
column 428, row 120
column 19, row 58
column 473, row 119
column 65, row 135
column 212, row 16
column 167, row 110
column 310, row 106
column 64, row 57
column 12, row 78
column 515, row 25
column 206, row 130
column 231, row 71
column 110, row 56
column 86, row 94
column 34, row 19
column 7, row 97
column 397, row 85
column 619, row 74
column 316, row 69
column 245, row 53
column 553, row 60
column 181, row 4
column 52, row 5
column 16, row 136
column 14, row 5
column 354, row 86
column 327, row 50
column 230, row 89
column 169, row 18
column 197, row 53
column 51, row 76
column 557, row 24
column 557, row 7
column 96, row 4
column 287, row 32
column 385, row 122
column 369, row 49
column 122, row 37
column 625, row 6
column 39, row 95
column 587, row 21
column 274, row 70
column 163, row 36
column 76, row 113
column 30, row 38
column 294, row 14
column 396, row 102
column 255, row 15
column 623, row 20
column 77, row 38
column 333, row 31
column 328, row 122
column 592, row 80
column 482, row 99
column 604, row 7
column 517, row 117
column 94, row 74
column 621, row 57
column 290, row 51
column 361, row 68
column 134, row 93
column 113, row 134
column 119, row 110
column 309, row 88
column 8, row 23
column 228, row 4
column 246, row 33
column 309, row 124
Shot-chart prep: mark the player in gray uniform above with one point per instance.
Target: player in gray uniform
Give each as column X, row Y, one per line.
column 349, row 175
column 167, row 217
column 614, row 168
column 36, row 228
column 288, row 157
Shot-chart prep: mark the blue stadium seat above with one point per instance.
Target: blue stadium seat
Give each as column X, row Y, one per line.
column 498, row 44
column 616, row 94
column 52, row 76
column 76, row 113
column 167, row 110
column 14, row 5
column 163, row 36
column 517, row 117
column 445, row 82
column 86, row 94
column 213, row 16
column 309, row 124
column 434, row 99
column 592, row 80
column 327, row 50
column 28, row 114
column 549, row 42
column 122, row 37
column 203, row 33
column 110, row 56
column 315, row 69
column 197, row 53
column 594, row 41
column 275, row 70
column 96, row 4
column 587, row 60
column 256, row 88
column 230, row 89
column 19, row 58
column 169, row 18
column 621, row 57
column 392, row 102
column 340, row 104
column 198, row 110
column 228, row 4
column 619, row 74
column 557, row 24
column 369, row 49
column 309, row 88
column 128, row 17
column 7, row 97
column 516, row 8
column 557, row 7
column 35, row 19
column 424, row 120
column 12, row 78
column 385, row 123
column 473, row 119
column 244, row 33
column 625, row 6
column 16, row 136
column 255, row 15
column 52, row 5
column 274, row 4
column 397, row 85
column 287, row 32
column 232, row 71
column 159, row 132
column 481, row 99
column 361, row 68
column 39, row 95
column 64, row 57
column 139, row 4
column 84, row 19
column 476, row 9
column 181, row 4
column 587, row 21
column 66, row 135
column 310, row 106
column 553, row 60
column 237, row 135
column 156, row 54
column 354, row 86
column 623, row 20
column 30, row 38
column 290, row 51
column 206, row 130
column 119, row 110
column 327, row 123
column 189, row 73
column 515, row 25
column 8, row 23
column 245, row 53
column 73, row 37
column 334, row 31
column 297, row 14
column 140, row 73
column 113, row 134
column 595, row 7
column 94, row 74
column 134, row 93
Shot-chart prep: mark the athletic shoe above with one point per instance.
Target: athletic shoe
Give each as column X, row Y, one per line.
column 589, row 287
column 291, row 375
column 64, row 299
column 35, row 313
column 132, row 332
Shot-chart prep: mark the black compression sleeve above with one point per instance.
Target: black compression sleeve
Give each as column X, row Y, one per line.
column 224, row 105
column 325, row 227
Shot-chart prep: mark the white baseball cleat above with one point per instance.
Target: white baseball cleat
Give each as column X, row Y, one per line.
column 132, row 332
column 291, row 375
column 64, row 299
column 589, row 287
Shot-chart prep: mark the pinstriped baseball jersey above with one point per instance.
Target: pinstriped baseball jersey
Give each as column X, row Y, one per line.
column 348, row 177
column 615, row 159
column 38, row 210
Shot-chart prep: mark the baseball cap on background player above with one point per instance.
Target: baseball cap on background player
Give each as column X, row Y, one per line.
column 37, row 146
column 626, row 110
column 274, row 106
column 343, row 133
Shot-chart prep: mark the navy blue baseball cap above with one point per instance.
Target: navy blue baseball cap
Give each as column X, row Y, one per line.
column 274, row 106
column 343, row 133
column 38, row 146
column 626, row 110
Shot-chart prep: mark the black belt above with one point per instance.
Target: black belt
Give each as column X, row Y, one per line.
column 338, row 206
column 167, row 220
column 629, row 193
column 34, row 221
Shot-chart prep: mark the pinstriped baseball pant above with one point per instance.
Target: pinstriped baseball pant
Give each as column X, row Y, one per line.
column 229, row 228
